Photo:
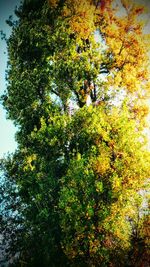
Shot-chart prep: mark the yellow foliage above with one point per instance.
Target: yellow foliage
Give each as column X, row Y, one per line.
column 81, row 17
column 53, row 3
column 145, row 231
column 122, row 31
column 129, row 45
column 94, row 246
column 102, row 164
column 116, row 183
column 28, row 162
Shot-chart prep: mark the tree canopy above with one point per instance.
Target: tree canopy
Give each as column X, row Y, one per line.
column 77, row 86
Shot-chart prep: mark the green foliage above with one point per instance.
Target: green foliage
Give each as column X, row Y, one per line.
column 72, row 186
column 99, row 191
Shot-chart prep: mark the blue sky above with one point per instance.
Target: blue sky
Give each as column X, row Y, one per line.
column 7, row 129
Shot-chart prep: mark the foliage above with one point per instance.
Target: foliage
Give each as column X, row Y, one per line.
column 140, row 253
column 77, row 84
column 98, row 194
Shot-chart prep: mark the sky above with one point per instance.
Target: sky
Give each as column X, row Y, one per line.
column 7, row 129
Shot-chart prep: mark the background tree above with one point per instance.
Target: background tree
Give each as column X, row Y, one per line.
column 77, row 84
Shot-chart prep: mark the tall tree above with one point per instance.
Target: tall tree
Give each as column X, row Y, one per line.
column 77, row 84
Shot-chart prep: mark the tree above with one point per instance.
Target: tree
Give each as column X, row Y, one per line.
column 77, row 83
column 139, row 254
